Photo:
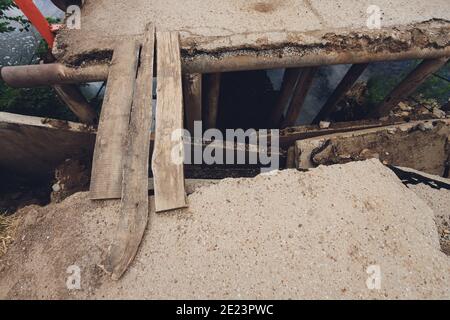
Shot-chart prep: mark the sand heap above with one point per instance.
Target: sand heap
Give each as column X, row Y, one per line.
column 288, row 235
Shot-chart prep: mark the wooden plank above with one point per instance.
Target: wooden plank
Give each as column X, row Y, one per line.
column 288, row 86
column 71, row 95
column 107, row 168
column 192, row 91
column 344, row 86
column 410, row 84
column 135, row 203
column 168, row 173
column 299, row 97
column 214, row 80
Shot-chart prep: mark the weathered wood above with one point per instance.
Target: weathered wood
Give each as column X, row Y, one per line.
column 214, row 80
column 34, row 147
column 407, row 87
column 135, row 203
column 339, row 93
column 299, row 97
column 107, row 169
column 288, row 85
column 71, row 95
column 192, row 91
column 168, row 171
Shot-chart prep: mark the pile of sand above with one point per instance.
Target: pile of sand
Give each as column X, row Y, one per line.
column 289, row 235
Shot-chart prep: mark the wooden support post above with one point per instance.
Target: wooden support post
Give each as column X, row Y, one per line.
column 298, row 99
column 135, row 203
column 192, row 91
column 71, row 95
column 344, row 86
column 214, row 80
column 290, row 79
column 107, row 167
column 407, row 87
column 168, row 151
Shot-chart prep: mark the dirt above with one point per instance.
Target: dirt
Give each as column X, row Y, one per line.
column 285, row 235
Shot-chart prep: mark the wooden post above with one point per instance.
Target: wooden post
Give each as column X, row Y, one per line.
column 71, row 95
column 290, row 79
column 135, row 203
column 344, row 86
column 168, row 168
column 407, row 87
column 298, row 99
column 214, row 80
column 192, row 91
column 107, row 167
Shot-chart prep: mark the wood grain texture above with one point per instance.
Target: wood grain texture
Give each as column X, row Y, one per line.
column 135, row 201
column 192, row 91
column 107, row 168
column 168, row 171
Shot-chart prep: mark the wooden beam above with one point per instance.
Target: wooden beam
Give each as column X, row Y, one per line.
column 107, row 167
column 192, row 91
column 407, row 87
column 168, row 172
column 288, row 86
column 299, row 97
column 214, row 80
column 344, row 86
column 71, row 95
column 135, row 203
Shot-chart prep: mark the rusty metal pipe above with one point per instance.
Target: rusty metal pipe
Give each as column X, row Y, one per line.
column 51, row 74
column 236, row 61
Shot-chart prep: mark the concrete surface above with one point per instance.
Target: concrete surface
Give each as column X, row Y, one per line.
column 215, row 27
column 289, row 235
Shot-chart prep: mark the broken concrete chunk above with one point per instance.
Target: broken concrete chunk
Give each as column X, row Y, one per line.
column 420, row 145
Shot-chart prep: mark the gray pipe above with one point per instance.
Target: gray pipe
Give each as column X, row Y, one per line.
column 51, row 74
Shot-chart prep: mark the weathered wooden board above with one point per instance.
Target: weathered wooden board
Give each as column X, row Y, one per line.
column 34, row 147
column 167, row 170
column 107, row 168
column 135, row 203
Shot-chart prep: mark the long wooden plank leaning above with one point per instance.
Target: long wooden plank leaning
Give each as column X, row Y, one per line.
column 107, row 166
column 135, row 203
column 167, row 156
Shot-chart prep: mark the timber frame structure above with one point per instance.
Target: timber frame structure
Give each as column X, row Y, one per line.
column 180, row 51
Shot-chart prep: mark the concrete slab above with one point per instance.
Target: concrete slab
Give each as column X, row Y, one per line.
column 218, row 28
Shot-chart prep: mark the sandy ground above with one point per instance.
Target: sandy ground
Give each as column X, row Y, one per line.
column 290, row 235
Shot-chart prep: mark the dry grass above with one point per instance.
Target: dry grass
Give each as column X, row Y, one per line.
column 7, row 227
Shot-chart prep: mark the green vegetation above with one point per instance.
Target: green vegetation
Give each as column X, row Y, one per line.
column 381, row 83
column 5, row 20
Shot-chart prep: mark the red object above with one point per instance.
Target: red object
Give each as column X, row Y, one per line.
column 37, row 19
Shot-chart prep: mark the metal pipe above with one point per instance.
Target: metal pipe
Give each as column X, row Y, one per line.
column 236, row 61
column 52, row 74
